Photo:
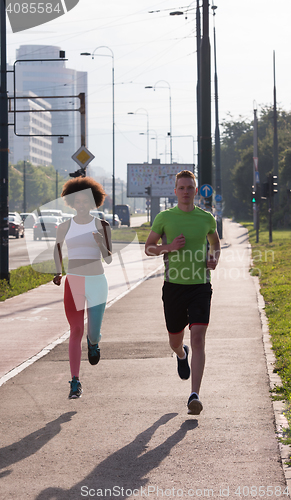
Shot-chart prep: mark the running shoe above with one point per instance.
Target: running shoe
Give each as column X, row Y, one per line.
column 194, row 404
column 183, row 365
column 76, row 389
column 93, row 353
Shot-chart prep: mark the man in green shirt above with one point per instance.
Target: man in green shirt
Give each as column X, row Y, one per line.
column 187, row 291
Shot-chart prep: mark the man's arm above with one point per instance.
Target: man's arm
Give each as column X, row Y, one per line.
column 214, row 250
column 152, row 248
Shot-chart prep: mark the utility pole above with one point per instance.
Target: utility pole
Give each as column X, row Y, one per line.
column 275, row 146
column 24, row 186
column 4, row 232
column 57, row 186
column 205, row 88
column 218, row 204
column 198, row 97
column 256, row 179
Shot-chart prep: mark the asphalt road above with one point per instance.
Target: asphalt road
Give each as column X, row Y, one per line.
column 24, row 251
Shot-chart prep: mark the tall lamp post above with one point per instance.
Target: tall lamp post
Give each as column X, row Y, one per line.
column 217, row 140
column 170, row 105
column 113, row 119
column 147, row 115
column 205, row 101
column 4, row 239
column 155, row 138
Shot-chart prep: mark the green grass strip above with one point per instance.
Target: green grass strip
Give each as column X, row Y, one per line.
column 21, row 280
column 271, row 263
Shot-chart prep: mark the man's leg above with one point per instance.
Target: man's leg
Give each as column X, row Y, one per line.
column 198, row 333
column 176, row 343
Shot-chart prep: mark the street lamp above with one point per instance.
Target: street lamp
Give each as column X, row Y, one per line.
column 113, row 120
column 198, row 87
column 170, row 103
column 147, row 115
column 154, row 138
column 217, row 138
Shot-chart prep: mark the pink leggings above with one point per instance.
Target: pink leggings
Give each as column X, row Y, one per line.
column 78, row 290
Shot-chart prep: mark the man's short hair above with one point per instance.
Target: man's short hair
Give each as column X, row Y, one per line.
column 186, row 174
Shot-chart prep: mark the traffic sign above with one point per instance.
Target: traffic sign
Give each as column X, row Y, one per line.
column 83, row 157
column 206, row 190
column 218, row 197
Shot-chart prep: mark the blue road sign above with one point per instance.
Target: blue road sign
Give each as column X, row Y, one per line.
column 206, row 190
column 218, row 197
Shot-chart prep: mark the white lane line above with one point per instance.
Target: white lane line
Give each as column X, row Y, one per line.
column 65, row 336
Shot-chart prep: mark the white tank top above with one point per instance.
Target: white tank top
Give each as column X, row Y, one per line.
column 80, row 241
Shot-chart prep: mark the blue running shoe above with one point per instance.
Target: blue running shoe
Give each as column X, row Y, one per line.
column 76, row 389
column 93, row 353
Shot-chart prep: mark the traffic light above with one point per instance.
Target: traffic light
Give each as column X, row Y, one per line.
column 79, row 173
column 273, row 184
column 256, row 193
column 148, row 190
column 265, row 190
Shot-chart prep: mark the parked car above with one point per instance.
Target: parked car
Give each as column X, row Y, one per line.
column 67, row 216
column 109, row 218
column 123, row 212
column 16, row 227
column 98, row 213
column 51, row 212
column 46, row 227
column 29, row 219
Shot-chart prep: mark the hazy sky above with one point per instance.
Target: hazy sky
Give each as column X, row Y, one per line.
column 150, row 47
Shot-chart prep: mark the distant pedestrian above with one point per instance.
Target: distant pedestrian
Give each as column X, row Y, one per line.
column 187, row 290
column 88, row 239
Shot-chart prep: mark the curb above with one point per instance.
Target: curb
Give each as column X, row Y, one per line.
column 279, row 407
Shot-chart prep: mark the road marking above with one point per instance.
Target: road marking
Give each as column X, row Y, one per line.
column 65, row 336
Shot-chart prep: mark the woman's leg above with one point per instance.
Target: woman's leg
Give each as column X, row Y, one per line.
column 74, row 302
column 96, row 295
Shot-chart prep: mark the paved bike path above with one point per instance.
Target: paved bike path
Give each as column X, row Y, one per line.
column 130, row 435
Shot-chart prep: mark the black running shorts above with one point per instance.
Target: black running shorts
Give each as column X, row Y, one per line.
column 186, row 305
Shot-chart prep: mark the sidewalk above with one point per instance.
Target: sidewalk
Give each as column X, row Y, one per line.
column 130, row 432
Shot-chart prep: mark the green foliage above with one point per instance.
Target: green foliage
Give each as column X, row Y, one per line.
column 21, row 280
column 237, row 164
column 40, row 186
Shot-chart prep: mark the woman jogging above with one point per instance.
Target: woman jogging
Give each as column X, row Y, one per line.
column 88, row 239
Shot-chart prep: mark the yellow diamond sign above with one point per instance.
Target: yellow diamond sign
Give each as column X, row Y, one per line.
column 83, row 156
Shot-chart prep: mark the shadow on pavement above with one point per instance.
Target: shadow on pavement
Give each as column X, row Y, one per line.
column 32, row 443
column 126, row 469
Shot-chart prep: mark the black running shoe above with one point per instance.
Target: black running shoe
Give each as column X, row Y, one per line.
column 76, row 389
column 183, row 365
column 93, row 353
column 194, row 405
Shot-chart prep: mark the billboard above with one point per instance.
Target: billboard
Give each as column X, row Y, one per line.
column 159, row 177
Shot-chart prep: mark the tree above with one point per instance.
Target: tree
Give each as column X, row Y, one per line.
column 237, row 159
column 15, row 189
column 40, row 186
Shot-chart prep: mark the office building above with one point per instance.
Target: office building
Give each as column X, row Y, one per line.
column 48, row 79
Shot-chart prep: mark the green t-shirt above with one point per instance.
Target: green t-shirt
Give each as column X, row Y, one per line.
column 187, row 265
